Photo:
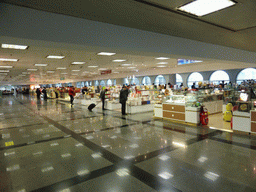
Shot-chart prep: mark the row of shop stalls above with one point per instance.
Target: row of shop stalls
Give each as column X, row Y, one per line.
column 179, row 105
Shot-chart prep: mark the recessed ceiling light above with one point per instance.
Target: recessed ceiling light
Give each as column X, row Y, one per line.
column 106, row 53
column 6, row 67
column 4, row 59
column 161, row 66
column 162, row 63
column 41, row 65
column 50, row 71
column 204, row 7
column 131, row 67
column 102, row 69
column 55, row 57
column 93, row 66
column 4, row 71
column 61, row 68
column 11, row 46
column 75, row 70
column 78, row 63
column 64, row 73
column 162, row 58
column 119, row 60
column 32, row 69
column 126, row 64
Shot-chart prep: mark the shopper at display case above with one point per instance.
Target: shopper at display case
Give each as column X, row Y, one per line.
column 103, row 97
column 45, row 93
column 123, row 98
column 71, row 93
column 38, row 93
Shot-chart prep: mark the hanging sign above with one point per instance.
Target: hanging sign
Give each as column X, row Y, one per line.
column 106, row 72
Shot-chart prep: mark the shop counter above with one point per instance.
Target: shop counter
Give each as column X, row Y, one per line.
column 242, row 121
column 131, row 109
column 112, row 105
column 158, row 110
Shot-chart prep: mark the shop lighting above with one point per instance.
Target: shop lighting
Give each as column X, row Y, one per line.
column 78, row 63
column 119, row 60
column 6, row 67
column 92, row 66
column 162, row 63
column 75, row 70
column 204, row 7
column 4, row 71
column 61, row 68
column 4, row 59
column 106, row 53
column 11, row 46
column 162, row 58
column 32, row 69
column 41, row 65
column 55, row 57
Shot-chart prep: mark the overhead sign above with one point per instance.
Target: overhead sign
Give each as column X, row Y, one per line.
column 106, row 72
column 187, row 61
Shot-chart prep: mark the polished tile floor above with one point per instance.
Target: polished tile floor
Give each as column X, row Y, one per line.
column 51, row 146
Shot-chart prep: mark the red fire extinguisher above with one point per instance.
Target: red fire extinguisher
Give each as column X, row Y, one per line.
column 204, row 116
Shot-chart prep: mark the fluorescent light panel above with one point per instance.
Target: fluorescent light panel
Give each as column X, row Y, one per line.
column 119, row 60
column 162, row 63
column 75, row 70
column 55, row 57
column 50, row 71
column 6, row 67
column 102, row 69
column 61, row 68
column 5, row 59
column 93, row 66
column 204, row 7
column 162, row 58
column 11, row 46
column 106, row 53
column 126, row 64
column 78, row 63
column 4, row 71
column 41, row 65
column 161, row 66
column 32, row 69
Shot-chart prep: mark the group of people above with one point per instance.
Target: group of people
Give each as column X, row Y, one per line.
column 122, row 98
column 39, row 92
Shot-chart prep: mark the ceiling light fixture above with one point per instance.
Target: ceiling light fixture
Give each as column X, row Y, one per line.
column 115, row 72
column 162, row 58
column 11, row 46
column 6, row 67
column 131, row 67
column 126, row 64
column 64, row 73
column 74, row 74
column 102, row 69
column 92, row 66
column 86, row 72
column 55, row 57
column 50, row 71
column 160, row 66
column 4, row 71
column 61, row 68
column 119, row 60
column 4, row 59
column 162, row 63
column 106, row 53
column 204, row 7
column 75, row 70
column 41, row 65
column 78, row 63
column 32, row 69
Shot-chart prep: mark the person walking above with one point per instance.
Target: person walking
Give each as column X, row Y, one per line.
column 123, row 98
column 71, row 93
column 45, row 93
column 103, row 97
column 38, row 93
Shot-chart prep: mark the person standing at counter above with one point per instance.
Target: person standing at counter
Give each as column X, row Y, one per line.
column 38, row 93
column 123, row 98
column 45, row 93
column 71, row 93
column 102, row 97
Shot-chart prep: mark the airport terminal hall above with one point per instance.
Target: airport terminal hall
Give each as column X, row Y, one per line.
column 128, row 96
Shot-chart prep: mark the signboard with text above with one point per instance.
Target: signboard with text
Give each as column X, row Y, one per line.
column 106, row 72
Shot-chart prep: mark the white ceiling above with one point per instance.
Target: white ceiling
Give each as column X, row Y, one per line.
column 160, row 16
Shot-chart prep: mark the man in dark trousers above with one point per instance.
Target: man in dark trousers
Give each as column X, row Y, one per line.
column 102, row 97
column 123, row 98
column 45, row 93
column 38, row 93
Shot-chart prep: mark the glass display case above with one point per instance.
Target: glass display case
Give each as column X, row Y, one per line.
column 190, row 100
